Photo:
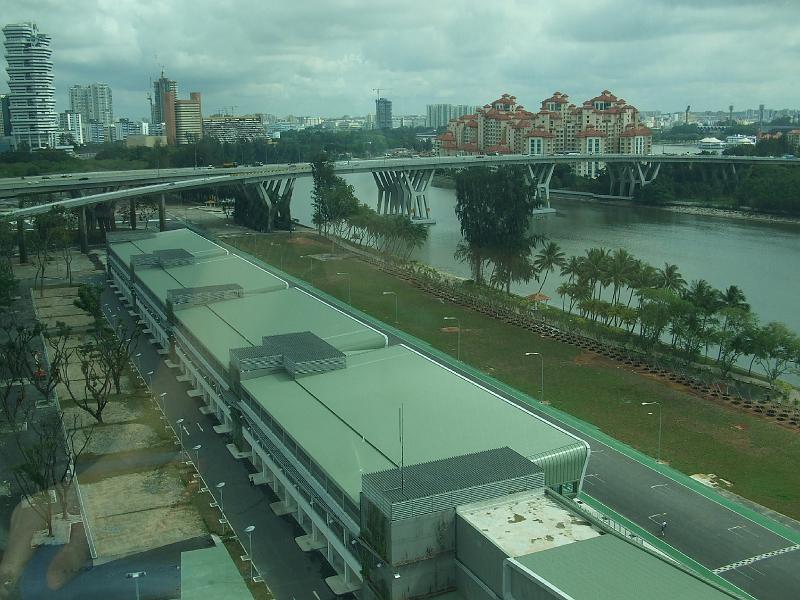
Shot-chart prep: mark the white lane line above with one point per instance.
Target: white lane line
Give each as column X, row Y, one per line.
column 656, row 518
column 749, row 561
column 185, row 430
column 200, row 427
column 658, row 485
column 315, row 594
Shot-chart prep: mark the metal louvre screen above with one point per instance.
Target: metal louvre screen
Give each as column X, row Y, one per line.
column 444, row 484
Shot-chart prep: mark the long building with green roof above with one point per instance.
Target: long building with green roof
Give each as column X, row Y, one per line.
column 385, row 457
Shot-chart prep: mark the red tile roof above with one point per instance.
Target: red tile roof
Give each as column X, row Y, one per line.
column 540, row 133
column 631, row 131
column 590, row 132
column 500, row 149
column 446, row 136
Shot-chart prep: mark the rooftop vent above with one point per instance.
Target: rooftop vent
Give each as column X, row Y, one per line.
column 301, row 353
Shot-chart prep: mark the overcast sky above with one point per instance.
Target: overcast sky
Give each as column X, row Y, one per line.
column 324, row 57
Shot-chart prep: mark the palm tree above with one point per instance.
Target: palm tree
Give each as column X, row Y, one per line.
column 572, row 268
column 733, row 297
column 595, row 267
column 548, row 259
column 621, row 267
column 671, row 278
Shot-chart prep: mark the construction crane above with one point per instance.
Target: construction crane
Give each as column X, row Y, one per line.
column 686, row 115
column 378, row 91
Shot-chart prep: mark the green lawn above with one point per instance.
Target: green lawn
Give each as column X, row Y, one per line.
column 699, row 436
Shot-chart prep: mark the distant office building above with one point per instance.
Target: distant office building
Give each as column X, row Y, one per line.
column 32, row 107
column 126, row 128
column 229, row 128
column 71, row 124
column 160, row 108
column 5, row 115
column 383, row 113
column 188, row 120
column 439, row 115
column 793, row 140
column 94, row 132
column 93, row 102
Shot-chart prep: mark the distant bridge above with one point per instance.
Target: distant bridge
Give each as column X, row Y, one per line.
column 402, row 183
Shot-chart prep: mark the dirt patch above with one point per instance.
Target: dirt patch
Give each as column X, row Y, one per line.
column 590, row 359
column 115, row 412
column 140, row 511
column 109, row 438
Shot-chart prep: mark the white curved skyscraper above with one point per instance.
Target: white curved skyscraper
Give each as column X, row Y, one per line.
column 30, row 80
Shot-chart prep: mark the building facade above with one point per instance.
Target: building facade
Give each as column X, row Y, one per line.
column 93, row 102
column 32, row 104
column 439, row 115
column 229, row 128
column 188, row 120
column 5, row 115
column 71, row 124
column 160, row 107
column 604, row 124
column 383, row 113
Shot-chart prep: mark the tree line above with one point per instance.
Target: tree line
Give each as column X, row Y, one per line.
column 654, row 307
column 337, row 212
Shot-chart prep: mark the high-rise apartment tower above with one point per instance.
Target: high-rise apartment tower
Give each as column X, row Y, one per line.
column 32, row 106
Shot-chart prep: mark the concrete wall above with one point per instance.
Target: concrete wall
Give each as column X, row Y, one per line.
column 418, row 579
column 419, row 538
column 479, row 555
column 470, row 587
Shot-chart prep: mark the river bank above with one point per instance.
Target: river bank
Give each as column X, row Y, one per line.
column 684, row 207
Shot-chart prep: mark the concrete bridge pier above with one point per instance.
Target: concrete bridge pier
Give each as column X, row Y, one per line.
column 132, row 212
column 277, row 195
column 23, row 247
column 628, row 175
column 404, row 192
column 539, row 175
column 83, row 238
column 162, row 213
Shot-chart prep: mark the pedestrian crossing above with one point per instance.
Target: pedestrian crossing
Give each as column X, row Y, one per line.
column 752, row 559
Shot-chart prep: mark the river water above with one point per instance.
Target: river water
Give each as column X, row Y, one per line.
column 763, row 259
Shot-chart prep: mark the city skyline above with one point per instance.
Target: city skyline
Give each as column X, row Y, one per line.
column 273, row 64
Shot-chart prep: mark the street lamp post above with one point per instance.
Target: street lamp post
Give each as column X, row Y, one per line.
column 249, row 530
column 658, row 449
column 349, row 297
column 220, row 485
column 395, row 303
column 197, row 457
column 179, row 424
column 541, row 379
column 310, row 265
column 136, row 575
column 458, row 346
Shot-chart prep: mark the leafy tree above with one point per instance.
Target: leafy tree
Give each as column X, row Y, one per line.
column 775, row 350
column 494, row 208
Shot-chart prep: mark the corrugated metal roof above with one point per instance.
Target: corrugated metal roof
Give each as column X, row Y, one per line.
column 451, row 474
column 608, row 568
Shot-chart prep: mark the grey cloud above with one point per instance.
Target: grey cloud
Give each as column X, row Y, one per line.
column 323, row 57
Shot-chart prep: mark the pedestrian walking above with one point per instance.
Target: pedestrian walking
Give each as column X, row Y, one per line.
column 663, row 527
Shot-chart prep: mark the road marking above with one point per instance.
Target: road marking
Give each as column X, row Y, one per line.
column 185, row 430
column 653, row 517
column 749, row 561
column 652, row 487
column 315, row 594
column 199, row 427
